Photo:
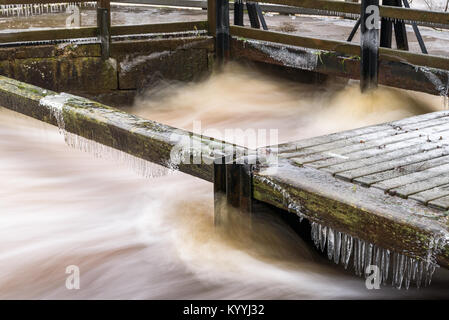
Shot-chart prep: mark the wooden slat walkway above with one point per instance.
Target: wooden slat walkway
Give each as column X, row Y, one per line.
column 406, row 158
column 387, row 183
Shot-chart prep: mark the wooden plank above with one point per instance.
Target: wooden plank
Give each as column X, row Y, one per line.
column 431, row 194
column 419, row 186
column 410, row 178
column 406, row 123
column 351, row 164
column 402, row 171
column 440, row 203
column 159, row 28
column 343, row 147
column 357, row 162
column 395, row 163
column 53, row 34
column 91, row 32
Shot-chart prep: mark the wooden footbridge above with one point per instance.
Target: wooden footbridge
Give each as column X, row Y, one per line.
column 372, row 194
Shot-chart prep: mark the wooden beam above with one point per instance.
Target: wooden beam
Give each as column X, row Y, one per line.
column 422, row 16
column 9, row 2
column 146, row 139
column 353, row 210
column 391, row 73
column 385, row 54
column 90, row 32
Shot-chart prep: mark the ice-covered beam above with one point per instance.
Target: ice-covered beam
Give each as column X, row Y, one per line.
column 145, row 139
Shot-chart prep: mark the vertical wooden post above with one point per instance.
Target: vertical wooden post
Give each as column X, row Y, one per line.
column 232, row 189
column 222, row 30
column 369, row 43
column 104, row 27
column 252, row 13
column 386, row 27
column 211, row 16
column 400, row 31
column 238, row 12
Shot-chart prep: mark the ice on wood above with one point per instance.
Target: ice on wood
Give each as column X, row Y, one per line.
column 146, row 169
column 395, row 268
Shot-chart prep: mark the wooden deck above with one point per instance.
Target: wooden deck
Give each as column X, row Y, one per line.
column 388, row 183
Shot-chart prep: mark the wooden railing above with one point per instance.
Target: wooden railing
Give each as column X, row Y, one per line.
column 104, row 30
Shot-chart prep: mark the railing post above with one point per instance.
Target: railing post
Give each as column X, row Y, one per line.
column 222, row 30
column 386, row 27
column 211, row 16
column 238, row 12
column 104, row 27
column 369, row 43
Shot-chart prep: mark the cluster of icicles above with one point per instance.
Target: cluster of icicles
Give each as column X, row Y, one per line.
column 140, row 166
column 400, row 269
column 36, row 9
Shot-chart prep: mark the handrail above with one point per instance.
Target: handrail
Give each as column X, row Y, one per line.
column 343, row 47
column 87, row 32
column 423, row 16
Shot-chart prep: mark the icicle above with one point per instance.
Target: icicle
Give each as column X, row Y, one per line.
column 337, row 247
column 330, row 243
column 404, row 269
column 323, row 237
column 348, row 249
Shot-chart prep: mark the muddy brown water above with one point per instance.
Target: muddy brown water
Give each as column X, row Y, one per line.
column 136, row 238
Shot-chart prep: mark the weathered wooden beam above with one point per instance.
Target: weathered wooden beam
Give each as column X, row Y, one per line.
column 369, row 44
column 343, row 47
column 91, row 32
column 146, row 139
column 159, row 28
column 391, row 73
column 53, row 34
column 354, row 210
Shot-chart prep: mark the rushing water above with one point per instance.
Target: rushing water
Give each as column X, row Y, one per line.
column 154, row 238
